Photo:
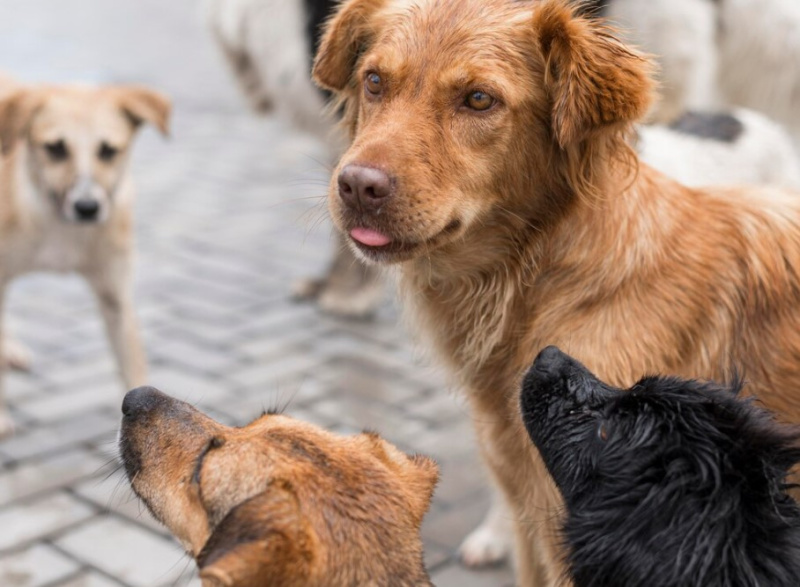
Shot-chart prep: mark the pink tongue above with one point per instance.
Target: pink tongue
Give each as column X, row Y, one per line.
column 369, row 237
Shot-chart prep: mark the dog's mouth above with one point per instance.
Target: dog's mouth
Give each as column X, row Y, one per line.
column 381, row 247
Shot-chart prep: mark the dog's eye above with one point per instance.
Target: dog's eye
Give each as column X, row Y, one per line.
column 57, row 150
column 107, row 152
column 602, row 432
column 373, row 83
column 479, row 101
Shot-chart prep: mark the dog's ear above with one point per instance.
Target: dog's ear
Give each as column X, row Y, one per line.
column 145, row 105
column 346, row 35
column 594, row 81
column 420, row 474
column 263, row 541
column 16, row 114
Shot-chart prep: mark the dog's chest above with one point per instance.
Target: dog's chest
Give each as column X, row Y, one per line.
column 58, row 248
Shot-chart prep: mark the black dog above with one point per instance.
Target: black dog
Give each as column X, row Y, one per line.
column 670, row 483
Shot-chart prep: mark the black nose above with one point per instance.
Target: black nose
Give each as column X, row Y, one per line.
column 551, row 361
column 140, row 401
column 87, row 209
column 365, row 188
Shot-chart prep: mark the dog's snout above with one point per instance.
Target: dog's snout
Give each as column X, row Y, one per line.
column 364, row 187
column 551, row 361
column 87, row 209
column 140, row 401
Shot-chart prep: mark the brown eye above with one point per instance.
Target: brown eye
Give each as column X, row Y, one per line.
column 602, row 432
column 107, row 152
column 373, row 83
column 57, row 150
column 479, row 101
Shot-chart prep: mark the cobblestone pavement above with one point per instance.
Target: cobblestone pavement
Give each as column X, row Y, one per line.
column 229, row 212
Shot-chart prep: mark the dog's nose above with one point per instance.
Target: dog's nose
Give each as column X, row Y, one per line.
column 551, row 361
column 140, row 401
column 364, row 187
column 87, row 209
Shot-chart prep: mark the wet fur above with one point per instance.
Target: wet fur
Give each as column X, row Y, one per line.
column 669, row 483
column 536, row 224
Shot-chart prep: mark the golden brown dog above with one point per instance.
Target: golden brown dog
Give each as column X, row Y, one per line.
column 66, row 196
column 490, row 159
column 278, row 502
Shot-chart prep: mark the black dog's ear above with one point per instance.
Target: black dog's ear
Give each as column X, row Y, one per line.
column 346, row 34
column 594, row 81
column 262, row 541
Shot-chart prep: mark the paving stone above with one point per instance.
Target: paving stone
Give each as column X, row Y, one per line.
column 118, row 549
column 60, row 435
column 106, row 392
column 51, row 472
column 88, row 579
column 40, row 518
column 457, row 576
column 37, row 566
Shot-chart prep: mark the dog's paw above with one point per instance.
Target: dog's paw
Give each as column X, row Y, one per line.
column 6, row 424
column 361, row 303
column 487, row 545
column 16, row 355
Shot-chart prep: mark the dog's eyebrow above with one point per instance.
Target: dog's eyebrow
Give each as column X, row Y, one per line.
column 215, row 442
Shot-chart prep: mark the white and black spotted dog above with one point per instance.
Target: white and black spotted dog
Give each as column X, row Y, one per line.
column 715, row 53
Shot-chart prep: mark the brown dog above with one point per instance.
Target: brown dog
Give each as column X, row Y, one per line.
column 490, row 157
column 278, row 502
column 66, row 196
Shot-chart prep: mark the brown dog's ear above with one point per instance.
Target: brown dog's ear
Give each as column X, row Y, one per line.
column 16, row 113
column 263, row 541
column 595, row 82
column 145, row 105
column 346, row 35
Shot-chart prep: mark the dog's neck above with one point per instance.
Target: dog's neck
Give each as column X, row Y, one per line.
column 469, row 294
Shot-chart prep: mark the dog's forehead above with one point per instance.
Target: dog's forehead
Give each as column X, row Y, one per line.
column 85, row 112
column 427, row 32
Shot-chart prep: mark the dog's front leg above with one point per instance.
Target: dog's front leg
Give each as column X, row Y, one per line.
column 6, row 423
column 114, row 290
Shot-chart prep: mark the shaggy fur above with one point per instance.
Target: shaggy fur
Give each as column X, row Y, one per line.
column 527, row 222
column 671, row 483
column 279, row 502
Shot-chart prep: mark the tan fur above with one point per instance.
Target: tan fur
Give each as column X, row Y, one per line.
column 38, row 224
column 533, row 224
column 281, row 502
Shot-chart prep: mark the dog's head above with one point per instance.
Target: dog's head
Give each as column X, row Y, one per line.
column 279, row 501
column 77, row 140
column 666, row 478
column 470, row 113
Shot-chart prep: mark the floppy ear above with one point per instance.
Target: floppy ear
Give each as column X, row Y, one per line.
column 16, row 113
column 263, row 541
column 345, row 37
column 145, row 105
column 594, row 81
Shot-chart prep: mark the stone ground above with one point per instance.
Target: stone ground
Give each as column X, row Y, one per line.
column 230, row 212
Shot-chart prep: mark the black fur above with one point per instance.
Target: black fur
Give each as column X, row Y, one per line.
column 671, row 483
column 725, row 128
column 318, row 12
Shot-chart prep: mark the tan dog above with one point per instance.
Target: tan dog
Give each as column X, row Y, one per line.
column 278, row 502
column 66, row 196
column 490, row 159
